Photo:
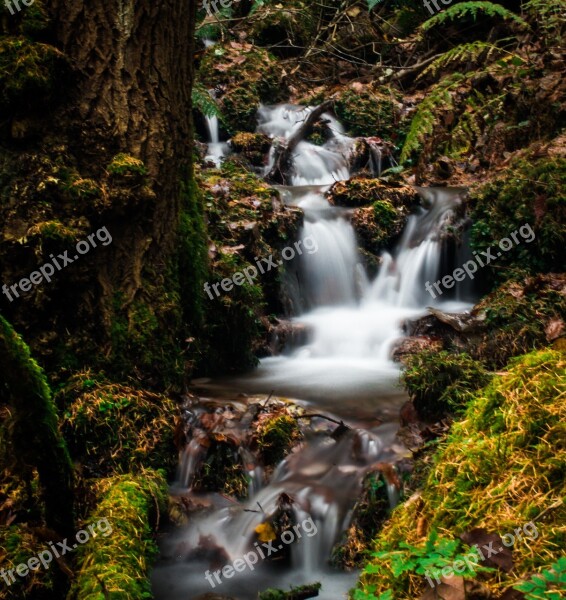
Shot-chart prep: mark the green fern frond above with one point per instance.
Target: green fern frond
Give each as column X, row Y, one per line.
column 426, row 116
column 550, row 16
column 203, row 102
column 466, row 9
column 471, row 52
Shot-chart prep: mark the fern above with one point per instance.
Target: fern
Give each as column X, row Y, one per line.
column 471, row 52
column 202, row 101
column 467, row 9
column 372, row 4
column 550, row 16
column 425, row 118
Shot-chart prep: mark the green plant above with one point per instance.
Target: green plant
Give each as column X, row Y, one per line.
column 471, row 9
column 203, row 102
column 548, row 585
column 440, row 382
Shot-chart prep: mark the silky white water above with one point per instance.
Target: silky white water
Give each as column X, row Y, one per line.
column 344, row 368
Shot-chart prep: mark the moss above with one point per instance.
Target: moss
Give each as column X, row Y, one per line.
column 531, row 192
column 124, row 165
column 222, row 471
column 140, row 343
column 441, row 383
column 294, row 593
column 239, row 108
column 368, row 114
column 360, row 191
column 118, row 565
column 19, row 543
column 253, row 146
column 54, row 231
column 275, row 438
column 287, row 30
column 112, row 428
column 517, row 316
column 34, row 430
column 29, row 73
column 501, row 467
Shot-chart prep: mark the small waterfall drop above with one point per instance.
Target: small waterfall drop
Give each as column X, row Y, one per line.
column 343, row 367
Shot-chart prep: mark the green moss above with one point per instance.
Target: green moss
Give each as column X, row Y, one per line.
column 118, row 565
column 34, row 429
column 442, row 382
column 239, row 108
column 276, row 437
column 28, row 73
column 125, row 165
column 222, row 471
column 516, row 318
column 501, row 466
column 292, row 594
column 384, row 213
column 368, row 114
column 112, row 428
column 54, row 231
column 531, row 192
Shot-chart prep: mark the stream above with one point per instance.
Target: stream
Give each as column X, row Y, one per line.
column 343, row 369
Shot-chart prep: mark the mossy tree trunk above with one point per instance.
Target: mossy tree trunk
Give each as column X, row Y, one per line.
column 126, row 90
column 34, row 432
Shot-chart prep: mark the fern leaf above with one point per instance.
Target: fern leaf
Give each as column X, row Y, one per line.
column 471, row 52
column 467, row 9
column 202, row 101
column 425, row 118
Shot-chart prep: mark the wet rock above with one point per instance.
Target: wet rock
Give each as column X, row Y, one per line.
column 413, row 345
column 253, row 146
column 360, row 191
column 377, row 226
column 288, row 333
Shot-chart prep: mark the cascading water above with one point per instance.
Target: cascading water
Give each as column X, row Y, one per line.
column 344, row 367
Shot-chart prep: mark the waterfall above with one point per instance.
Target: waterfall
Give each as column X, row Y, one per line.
column 217, row 150
column 343, row 367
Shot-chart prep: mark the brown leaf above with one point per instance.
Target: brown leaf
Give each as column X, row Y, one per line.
column 554, row 329
column 490, row 546
column 449, row 588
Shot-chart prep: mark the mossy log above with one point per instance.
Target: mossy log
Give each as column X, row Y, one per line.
column 35, row 434
column 117, row 565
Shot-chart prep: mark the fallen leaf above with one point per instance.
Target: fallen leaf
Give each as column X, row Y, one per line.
column 265, row 532
column 554, row 330
column 491, row 547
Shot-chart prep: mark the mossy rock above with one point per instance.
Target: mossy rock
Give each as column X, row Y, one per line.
column 276, row 437
column 442, row 383
column 369, row 113
column 517, row 318
column 285, row 29
column 112, row 428
column 118, row 564
column 359, row 191
column 531, row 194
column 501, row 466
column 253, row 146
column 222, row 471
column 247, row 76
column 378, row 226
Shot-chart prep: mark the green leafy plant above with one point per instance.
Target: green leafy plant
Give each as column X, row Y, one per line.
column 471, row 9
column 548, row 585
column 426, row 560
column 203, row 102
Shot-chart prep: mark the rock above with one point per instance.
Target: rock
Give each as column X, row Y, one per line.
column 252, row 146
column 413, row 345
column 360, row 191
